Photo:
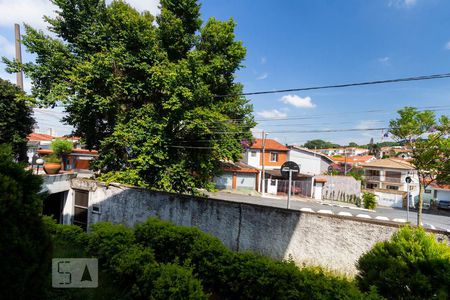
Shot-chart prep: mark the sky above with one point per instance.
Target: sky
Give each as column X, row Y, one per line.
column 295, row 44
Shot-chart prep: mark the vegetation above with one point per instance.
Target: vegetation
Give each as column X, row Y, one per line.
column 426, row 137
column 369, row 200
column 154, row 95
column 52, row 158
column 16, row 121
column 25, row 247
column 61, row 147
column 319, row 144
column 412, row 265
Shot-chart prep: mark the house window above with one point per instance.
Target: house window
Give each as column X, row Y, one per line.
column 392, row 187
column 253, row 153
column 273, row 156
column 273, row 182
column 81, row 209
column 427, row 191
column 371, row 185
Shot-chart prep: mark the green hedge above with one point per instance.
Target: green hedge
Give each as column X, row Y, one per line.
column 412, row 265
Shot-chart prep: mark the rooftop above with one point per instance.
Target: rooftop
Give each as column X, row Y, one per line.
column 269, row 145
column 389, row 163
column 40, row 137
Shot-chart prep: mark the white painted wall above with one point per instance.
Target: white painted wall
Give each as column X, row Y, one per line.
column 253, row 161
column 389, row 200
column 308, row 163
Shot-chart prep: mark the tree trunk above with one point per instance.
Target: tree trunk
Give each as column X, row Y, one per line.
column 419, row 209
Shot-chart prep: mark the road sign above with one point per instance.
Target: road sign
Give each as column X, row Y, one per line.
column 408, row 179
column 289, row 166
column 330, row 169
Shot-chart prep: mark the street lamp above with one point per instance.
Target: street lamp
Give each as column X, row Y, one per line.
column 39, row 162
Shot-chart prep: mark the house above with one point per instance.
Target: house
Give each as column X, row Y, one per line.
column 275, row 154
column 237, row 176
column 37, row 141
column 310, row 162
column 386, row 179
column 352, row 161
column 436, row 193
column 331, row 151
column 349, row 151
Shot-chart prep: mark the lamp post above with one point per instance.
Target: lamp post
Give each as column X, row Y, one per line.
column 39, row 162
column 263, row 175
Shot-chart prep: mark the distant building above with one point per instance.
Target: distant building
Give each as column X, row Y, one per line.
column 386, row 179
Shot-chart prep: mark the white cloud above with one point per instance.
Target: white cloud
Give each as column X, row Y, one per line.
column 402, row 3
column 384, row 60
column 447, row 45
column 263, row 76
column 272, row 114
column 298, row 101
column 6, row 47
column 32, row 11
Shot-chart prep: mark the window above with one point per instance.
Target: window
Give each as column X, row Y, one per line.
column 253, row 153
column 427, row 191
column 273, row 156
column 81, row 205
column 392, row 187
column 273, row 182
column 371, row 185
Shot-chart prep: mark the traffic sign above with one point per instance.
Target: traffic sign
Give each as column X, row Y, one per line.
column 408, row 179
column 289, row 166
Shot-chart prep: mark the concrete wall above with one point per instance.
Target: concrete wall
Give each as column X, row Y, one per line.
column 330, row 241
column 309, row 164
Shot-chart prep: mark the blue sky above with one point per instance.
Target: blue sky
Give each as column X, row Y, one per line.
column 307, row 43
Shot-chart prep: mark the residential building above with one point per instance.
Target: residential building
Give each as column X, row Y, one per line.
column 353, row 161
column 275, row 154
column 310, row 162
column 37, row 141
column 237, row 176
column 386, row 179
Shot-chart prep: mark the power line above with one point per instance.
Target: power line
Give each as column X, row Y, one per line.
column 345, row 85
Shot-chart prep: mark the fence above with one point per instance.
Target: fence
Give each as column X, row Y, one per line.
column 342, row 188
column 299, row 188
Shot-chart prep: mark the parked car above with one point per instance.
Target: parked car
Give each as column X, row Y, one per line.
column 444, row 204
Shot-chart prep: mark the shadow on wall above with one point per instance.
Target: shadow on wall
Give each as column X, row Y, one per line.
column 329, row 241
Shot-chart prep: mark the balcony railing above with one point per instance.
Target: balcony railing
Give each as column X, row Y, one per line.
column 385, row 179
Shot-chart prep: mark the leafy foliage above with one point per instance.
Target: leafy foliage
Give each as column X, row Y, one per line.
column 426, row 137
column 16, row 120
column 159, row 101
column 25, row 247
column 412, row 265
column 369, row 200
column 319, row 144
column 61, row 147
column 52, row 158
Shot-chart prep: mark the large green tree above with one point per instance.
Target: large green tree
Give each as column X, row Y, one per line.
column 16, row 120
column 159, row 101
column 319, row 144
column 427, row 137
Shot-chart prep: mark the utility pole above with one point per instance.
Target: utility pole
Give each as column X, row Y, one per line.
column 19, row 75
column 263, row 175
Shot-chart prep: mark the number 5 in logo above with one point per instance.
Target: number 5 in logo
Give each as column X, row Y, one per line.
column 65, row 277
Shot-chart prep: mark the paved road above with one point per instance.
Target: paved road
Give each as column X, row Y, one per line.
column 399, row 215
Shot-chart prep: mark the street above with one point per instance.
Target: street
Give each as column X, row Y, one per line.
column 307, row 204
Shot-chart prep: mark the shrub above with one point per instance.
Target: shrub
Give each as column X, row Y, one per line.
column 411, row 265
column 175, row 282
column 52, row 158
column 25, row 245
column 107, row 239
column 369, row 200
column 61, row 147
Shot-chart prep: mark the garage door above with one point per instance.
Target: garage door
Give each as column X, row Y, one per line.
column 224, row 181
column 389, row 200
column 246, row 181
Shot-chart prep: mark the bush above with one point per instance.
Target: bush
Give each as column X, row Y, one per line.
column 369, row 200
column 107, row 239
column 60, row 147
column 52, row 158
column 412, row 265
column 25, row 245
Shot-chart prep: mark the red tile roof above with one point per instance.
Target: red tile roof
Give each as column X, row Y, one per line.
column 269, row 145
column 39, row 137
column 353, row 159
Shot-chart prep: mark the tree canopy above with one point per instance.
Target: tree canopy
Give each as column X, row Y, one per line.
column 319, row 144
column 16, row 120
column 428, row 140
column 156, row 95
